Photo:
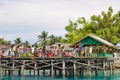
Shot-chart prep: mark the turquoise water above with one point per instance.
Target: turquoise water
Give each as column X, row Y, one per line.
column 100, row 76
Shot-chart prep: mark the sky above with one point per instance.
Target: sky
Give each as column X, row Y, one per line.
column 28, row 18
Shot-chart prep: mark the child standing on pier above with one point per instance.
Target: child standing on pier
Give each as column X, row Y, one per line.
column 90, row 51
column 3, row 54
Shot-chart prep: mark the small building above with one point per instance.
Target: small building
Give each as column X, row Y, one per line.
column 5, row 48
column 95, row 41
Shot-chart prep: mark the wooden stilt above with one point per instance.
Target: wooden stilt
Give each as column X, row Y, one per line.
column 75, row 68
column 29, row 72
column 63, row 68
column 43, row 72
column 55, row 72
column 5, row 72
column 89, row 71
column 66, row 72
column 51, row 71
column 113, row 68
column 104, row 68
column 80, row 71
column 19, row 73
column 0, row 71
column 60, row 72
column 9, row 72
column 38, row 72
column 22, row 68
column 110, row 68
column 35, row 69
column 13, row 65
column 96, row 72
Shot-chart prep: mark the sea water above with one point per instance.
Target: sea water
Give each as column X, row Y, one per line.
column 100, row 76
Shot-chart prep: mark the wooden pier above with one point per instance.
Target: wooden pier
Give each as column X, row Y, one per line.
column 55, row 66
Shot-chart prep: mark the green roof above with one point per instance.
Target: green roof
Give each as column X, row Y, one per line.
column 94, row 40
column 90, row 41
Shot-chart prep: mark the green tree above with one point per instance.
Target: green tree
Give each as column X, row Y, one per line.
column 106, row 25
column 42, row 38
column 26, row 44
column 17, row 41
column 53, row 39
column 4, row 42
column 36, row 44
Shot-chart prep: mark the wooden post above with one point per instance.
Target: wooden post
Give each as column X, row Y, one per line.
column 5, row 72
column 35, row 68
column 51, row 71
column 13, row 66
column 66, row 72
column 110, row 68
column 19, row 72
column 96, row 72
column 0, row 69
column 104, row 68
column 38, row 72
column 63, row 68
column 80, row 71
column 88, row 69
column 60, row 72
column 113, row 67
column 30, row 72
column 43, row 72
column 22, row 68
column 9, row 72
column 74, row 68
column 55, row 72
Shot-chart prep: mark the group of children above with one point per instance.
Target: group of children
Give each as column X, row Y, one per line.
column 31, row 51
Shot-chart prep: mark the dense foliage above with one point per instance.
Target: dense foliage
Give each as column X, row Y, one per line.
column 106, row 26
column 4, row 42
column 17, row 41
column 44, row 39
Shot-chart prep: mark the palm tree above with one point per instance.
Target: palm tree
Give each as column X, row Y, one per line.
column 43, row 38
column 58, row 39
column 17, row 41
column 52, row 39
column 26, row 44
column 36, row 44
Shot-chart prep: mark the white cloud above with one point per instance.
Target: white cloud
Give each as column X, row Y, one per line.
column 33, row 16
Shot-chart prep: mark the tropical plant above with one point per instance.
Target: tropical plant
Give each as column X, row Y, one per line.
column 17, row 41
column 26, row 44
column 106, row 26
column 53, row 39
column 4, row 42
column 42, row 38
